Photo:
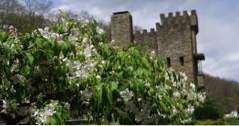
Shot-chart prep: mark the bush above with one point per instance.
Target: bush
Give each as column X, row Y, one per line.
column 71, row 63
column 208, row 110
column 210, row 122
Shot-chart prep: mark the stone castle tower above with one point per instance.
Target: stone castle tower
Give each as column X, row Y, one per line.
column 174, row 39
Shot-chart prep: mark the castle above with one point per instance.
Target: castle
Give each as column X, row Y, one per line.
column 174, row 39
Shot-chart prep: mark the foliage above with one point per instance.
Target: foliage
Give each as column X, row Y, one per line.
column 52, row 113
column 71, row 63
column 227, row 121
column 224, row 92
column 25, row 15
column 24, row 22
column 208, row 110
column 221, row 121
column 210, row 122
column 232, row 121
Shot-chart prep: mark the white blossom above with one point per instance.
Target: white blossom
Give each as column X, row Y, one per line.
column 73, row 38
column 190, row 109
column 85, row 40
column 153, row 52
column 139, row 99
column 103, row 62
column 202, row 97
column 184, row 77
column 175, row 111
column 87, row 52
column 112, row 41
column 4, row 104
column 98, row 77
column 186, row 120
column 42, row 115
column 147, row 84
column 176, row 94
column 192, row 86
column 99, row 30
column 101, row 43
column 126, row 94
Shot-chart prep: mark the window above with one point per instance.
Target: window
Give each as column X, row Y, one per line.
column 181, row 59
column 168, row 62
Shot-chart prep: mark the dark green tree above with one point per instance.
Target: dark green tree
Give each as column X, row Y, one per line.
column 208, row 110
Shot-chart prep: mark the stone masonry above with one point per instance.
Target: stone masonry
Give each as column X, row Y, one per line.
column 122, row 28
column 174, row 38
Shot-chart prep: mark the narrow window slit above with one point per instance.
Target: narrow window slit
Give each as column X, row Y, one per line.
column 181, row 59
column 168, row 62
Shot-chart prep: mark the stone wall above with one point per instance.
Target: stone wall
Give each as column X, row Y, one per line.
column 147, row 39
column 174, row 39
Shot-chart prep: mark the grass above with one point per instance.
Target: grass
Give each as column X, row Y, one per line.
column 232, row 121
column 228, row 121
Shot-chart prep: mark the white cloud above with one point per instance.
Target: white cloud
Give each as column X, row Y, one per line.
column 234, row 57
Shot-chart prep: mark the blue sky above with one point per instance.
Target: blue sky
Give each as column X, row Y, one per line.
column 218, row 36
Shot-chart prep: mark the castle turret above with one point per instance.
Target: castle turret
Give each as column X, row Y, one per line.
column 174, row 39
column 121, row 29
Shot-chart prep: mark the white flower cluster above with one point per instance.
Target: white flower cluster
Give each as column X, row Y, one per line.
column 13, row 45
column 181, row 90
column 190, row 109
column 86, row 95
column 41, row 115
column 83, row 46
column 100, row 30
column 81, row 70
column 47, row 34
column 127, row 95
column 3, row 106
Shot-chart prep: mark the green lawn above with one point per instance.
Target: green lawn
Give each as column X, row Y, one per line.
column 229, row 121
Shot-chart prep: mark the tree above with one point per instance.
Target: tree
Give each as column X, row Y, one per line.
column 10, row 6
column 25, row 17
column 69, row 69
column 209, row 110
column 40, row 7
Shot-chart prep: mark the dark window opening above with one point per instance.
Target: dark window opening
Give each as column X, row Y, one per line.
column 181, row 59
column 168, row 62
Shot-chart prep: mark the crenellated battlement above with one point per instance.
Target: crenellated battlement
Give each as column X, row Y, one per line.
column 146, row 32
column 145, row 37
column 178, row 19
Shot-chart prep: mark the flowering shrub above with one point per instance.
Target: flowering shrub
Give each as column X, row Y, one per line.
column 71, row 62
column 52, row 113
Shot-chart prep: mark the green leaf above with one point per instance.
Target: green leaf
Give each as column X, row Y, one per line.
column 114, row 85
column 64, row 47
column 3, row 36
column 26, row 70
column 30, row 58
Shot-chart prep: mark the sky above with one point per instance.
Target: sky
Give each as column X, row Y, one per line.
column 218, row 36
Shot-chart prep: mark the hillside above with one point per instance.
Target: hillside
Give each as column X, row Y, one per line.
column 224, row 92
